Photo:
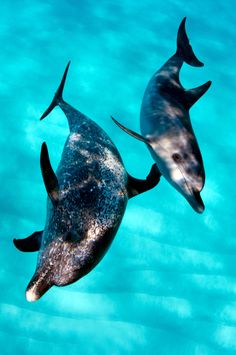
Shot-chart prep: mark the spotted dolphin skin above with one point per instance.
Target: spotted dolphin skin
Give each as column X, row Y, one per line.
column 87, row 198
column 166, row 127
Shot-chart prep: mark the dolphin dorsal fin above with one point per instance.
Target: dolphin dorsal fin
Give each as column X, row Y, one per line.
column 29, row 244
column 193, row 95
column 49, row 177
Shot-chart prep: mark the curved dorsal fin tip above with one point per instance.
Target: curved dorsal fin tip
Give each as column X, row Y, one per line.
column 193, row 95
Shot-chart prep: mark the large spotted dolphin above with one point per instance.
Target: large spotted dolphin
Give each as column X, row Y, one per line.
column 166, row 127
column 87, row 198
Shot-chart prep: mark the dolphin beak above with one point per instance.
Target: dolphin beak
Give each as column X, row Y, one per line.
column 196, row 202
column 31, row 296
column 37, row 287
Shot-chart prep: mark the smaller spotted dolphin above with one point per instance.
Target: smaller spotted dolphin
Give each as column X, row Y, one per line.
column 87, row 198
column 166, row 127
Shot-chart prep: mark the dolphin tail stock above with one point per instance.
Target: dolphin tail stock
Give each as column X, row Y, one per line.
column 58, row 95
column 184, row 49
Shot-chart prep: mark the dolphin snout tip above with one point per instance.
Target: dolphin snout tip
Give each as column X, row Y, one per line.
column 200, row 208
column 31, row 296
column 197, row 202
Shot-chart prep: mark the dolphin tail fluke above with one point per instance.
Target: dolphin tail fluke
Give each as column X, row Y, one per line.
column 184, row 49
column 58, row 95
column 39, row 284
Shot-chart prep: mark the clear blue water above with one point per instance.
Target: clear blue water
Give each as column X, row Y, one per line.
column 168, row 283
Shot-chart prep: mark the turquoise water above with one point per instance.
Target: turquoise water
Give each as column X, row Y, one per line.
column 168, row 283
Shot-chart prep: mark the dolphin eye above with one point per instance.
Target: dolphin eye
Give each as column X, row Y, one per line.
column 177, row 157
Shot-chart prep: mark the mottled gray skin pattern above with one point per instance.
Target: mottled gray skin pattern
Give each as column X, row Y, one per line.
column 93, row 198
column 165, row 122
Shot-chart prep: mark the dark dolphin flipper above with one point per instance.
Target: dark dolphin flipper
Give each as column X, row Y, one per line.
column 130, row 132
column 138, row 186
column 49, row 177
column 29, row 244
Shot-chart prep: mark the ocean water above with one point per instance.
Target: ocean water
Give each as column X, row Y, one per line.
column 168, row 283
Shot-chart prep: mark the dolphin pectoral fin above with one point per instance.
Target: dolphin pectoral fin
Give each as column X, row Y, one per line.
column 138, row 186
column 49, row 177
column 193, row 95
column 29, row 244
column 58, row 95
column 130, row 132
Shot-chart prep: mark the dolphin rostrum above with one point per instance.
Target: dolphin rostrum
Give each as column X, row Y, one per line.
column 87, row 198
column 166, row 127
